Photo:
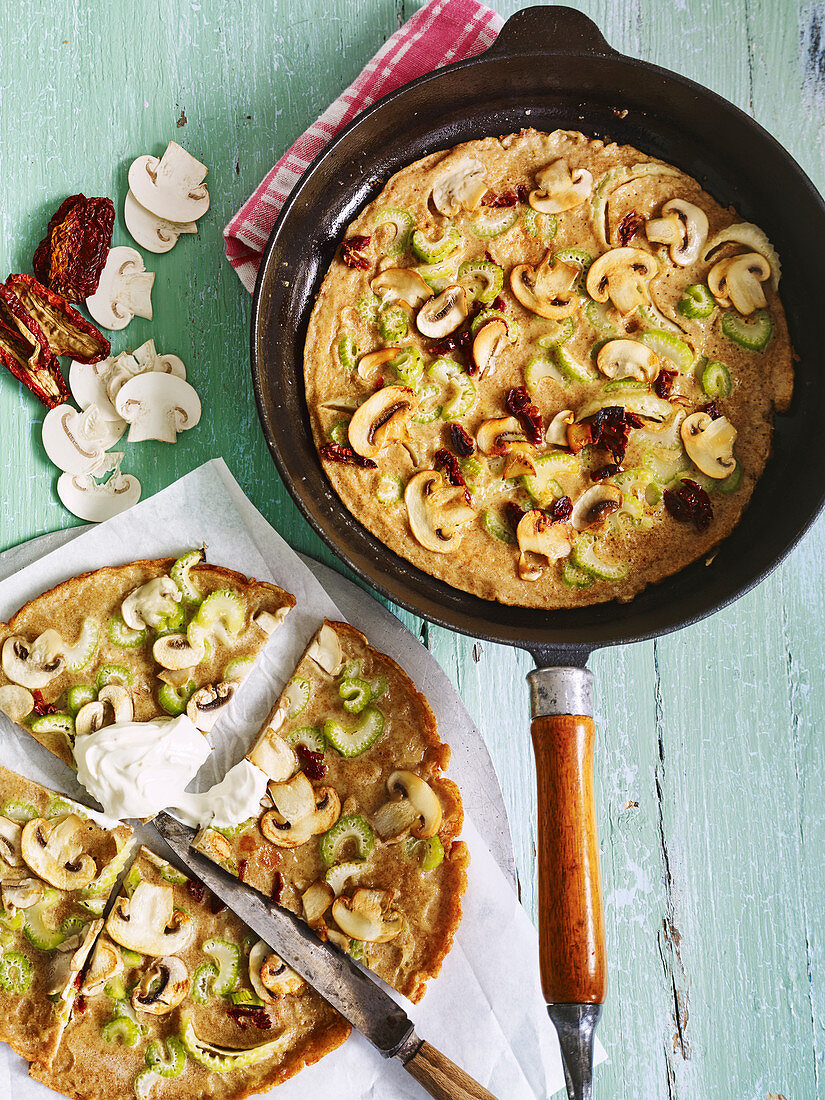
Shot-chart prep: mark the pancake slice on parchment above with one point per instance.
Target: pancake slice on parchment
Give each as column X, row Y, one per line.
column 358, row 835
column 57, row 870
column 134, row 642
column 180, row 1000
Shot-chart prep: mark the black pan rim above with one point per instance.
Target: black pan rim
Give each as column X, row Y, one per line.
column 473, row 626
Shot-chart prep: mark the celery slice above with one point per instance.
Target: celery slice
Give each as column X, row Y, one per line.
column 493, row 526
column 716, row 381
column 348, row 352
column 752, row 335
column 350, row 829
column 433, row 252
column 540, row 225
column 482, row 279
column 585, row 558
column 668, row 346
column 697, row 303
column 393, row 325
column 403, row 222
column 390, row 489
column 486, row 226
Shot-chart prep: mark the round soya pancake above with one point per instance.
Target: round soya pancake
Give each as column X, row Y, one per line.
column 544, row 369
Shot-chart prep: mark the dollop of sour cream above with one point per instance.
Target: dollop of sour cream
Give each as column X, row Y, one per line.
column 135, row 769
column 236, row 798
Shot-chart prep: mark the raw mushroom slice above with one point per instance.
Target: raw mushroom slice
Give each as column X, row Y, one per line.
column 97, row 501
column 87, row 381
column 158, row 406
column 436, row 511
column 171, row 187
column 75, row 441
column 460, row 187
column 559, row 189
column 54, row 851
column 381, row 420
column 151, row 232
column 683, row 227
column 148, row 357
column 124, row 290
column 622, row 274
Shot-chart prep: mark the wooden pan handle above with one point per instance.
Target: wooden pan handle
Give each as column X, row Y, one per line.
column 571, row 919
column 442, row 1078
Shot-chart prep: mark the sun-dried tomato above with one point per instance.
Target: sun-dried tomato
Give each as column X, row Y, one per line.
column 80, row 1004
column 25, row 351
column 41, row 707
column 689, row 503
column 250, row 1016
column 629, row 226
column 353, row 252
column 610, row 470
column 610, row 428
column 458, row 341
column 460, row 440
column 498, row 303
column 243, row 867
column 72, row 255
column 503, row 198
column 562, row 510
column 445, row 460
column 312, row 763
column 664, row 383
column 713, row 410
column 66, row 331
column 519, row 404
column 335, row 452
column 196, row 889
column 513, row 512
column 277, row 887
column 216, row 904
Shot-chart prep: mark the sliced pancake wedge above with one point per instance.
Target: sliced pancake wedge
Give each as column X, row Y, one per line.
column 182, row 1000
column 358, row 830
column 134, row 642
column 57, row 870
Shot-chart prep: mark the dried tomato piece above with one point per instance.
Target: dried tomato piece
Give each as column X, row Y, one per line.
column 41, row 707
column 243, row 867
column 519, row 404
column 462, row 442
column 562, row 510
column 72, row 255
column 197, row 889
column 513, row 512
column 446, row 461
column 312, row 763
column 25, row 351
column 498, row 303
column 335, row 452
column 458, row 341
column 713, row 410
column 610, row 428
column 610, row 470
column 352, row 252
column 689, row 503
column 664, row 383
column 250, row 1016
column 629, row 226
column 277, row 887
column 504, row 198
column 66, row 331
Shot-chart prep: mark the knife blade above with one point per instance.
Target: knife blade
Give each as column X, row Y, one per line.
column 329, row 970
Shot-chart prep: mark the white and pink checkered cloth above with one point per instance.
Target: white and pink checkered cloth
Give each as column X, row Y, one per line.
column 441, row 32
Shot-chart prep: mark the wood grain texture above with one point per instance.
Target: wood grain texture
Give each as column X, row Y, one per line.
column 709, row 766
column 570, row 914
column 442, row 1078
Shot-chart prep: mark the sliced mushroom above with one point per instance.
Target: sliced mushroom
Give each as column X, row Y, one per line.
column 269, row 621
column 622, row 274
column 175, row 651
column 124, row 290
column 547, row 290
column 749, row 236
column 151, row 232
column 117, row 700
column 556, row 434
column 461, row 187
column 709, row 443
column 20, row 893
column 363, row 917
column 172, row 186
column 487, row 342
column 157, row 406
column 442, row 315
column 10, row 833
column 208, row 703
column 499, row 435
column 316, row 900
column 69, row 961
column 16, row 702
column 300, row 811
column 54, row 851
column 213, row 844
column 162, row 987
column 382, row 419
column 393, row 820
column 89, row 719
column 683, row 227
column 76, row 441
column 423, row 799
column 367, row 367
column 436, row 511
column 98, row 501
column 107, row 963
column 595, row 505
column 559, row 189
column 150, row 604
column 627, row 359
column 148, row 922
column 273, row 756
column 536, row 534
column 325, row 650
column 737, row 281
column 33, row 664
column 401, row 284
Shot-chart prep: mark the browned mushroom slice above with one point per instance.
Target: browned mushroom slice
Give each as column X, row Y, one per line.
column 487, row 342
column 709, row 443
column 622, row 274
column 423, row 799
column 547, row 290
column 683, row 227
column 440, row 316
column 560, row 189
column 54, row 851
column 436, row 511
column 556, row 434
column 738, row 281
column 300, row 811
column 536, row 534
column 627, row 359
column 401, row 284
column 595, row 505
column 369, row 365
column 382, row 419
column 162, row 987
column 364, row 916
column 148, row 922
column 271, row 978
column 33, row 664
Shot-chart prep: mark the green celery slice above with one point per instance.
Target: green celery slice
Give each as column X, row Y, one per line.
column 752, row 335
column 352, row 828
column 352, row 742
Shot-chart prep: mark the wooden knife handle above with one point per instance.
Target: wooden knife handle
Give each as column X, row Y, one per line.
column 571, row 918
column 442, row 1078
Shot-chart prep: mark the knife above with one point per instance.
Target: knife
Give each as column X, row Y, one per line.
column 330, row 971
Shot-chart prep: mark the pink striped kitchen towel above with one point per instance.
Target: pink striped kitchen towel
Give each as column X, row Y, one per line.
column 441, row 32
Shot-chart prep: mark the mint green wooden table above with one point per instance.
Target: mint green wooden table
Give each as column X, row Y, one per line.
column 710, row 753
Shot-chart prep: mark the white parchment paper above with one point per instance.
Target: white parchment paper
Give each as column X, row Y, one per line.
column 485, row 1010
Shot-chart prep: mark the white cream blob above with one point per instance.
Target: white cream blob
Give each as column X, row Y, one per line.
column 235, row 799
column 135, row 769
